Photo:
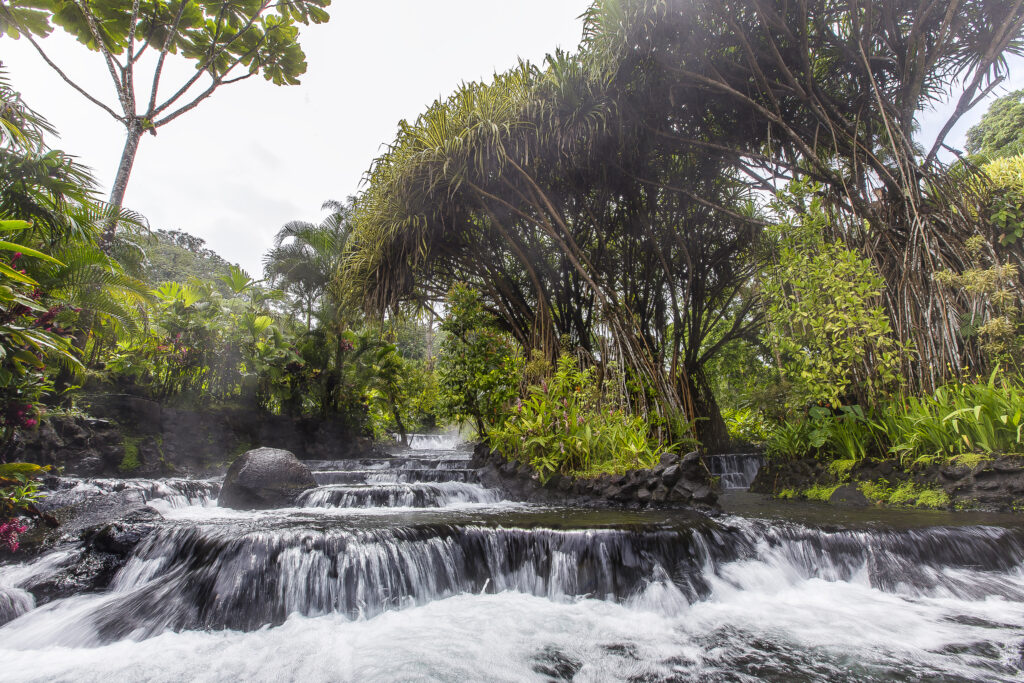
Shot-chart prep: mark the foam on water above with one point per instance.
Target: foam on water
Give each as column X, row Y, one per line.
column 813, row 631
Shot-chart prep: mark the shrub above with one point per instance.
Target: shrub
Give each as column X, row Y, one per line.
column 567, row 424
column 746, row 425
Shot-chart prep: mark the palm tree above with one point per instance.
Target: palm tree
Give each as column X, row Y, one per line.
column 306, row 257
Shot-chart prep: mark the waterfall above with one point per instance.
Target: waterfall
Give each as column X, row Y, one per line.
column 736, row 471
column 406, row 567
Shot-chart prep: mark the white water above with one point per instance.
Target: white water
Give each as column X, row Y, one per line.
column 812, row 629
column 460, row 592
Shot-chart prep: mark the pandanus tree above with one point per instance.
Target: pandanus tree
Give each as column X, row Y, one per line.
column 227, row 40
column 831, row 91
column 571, row 221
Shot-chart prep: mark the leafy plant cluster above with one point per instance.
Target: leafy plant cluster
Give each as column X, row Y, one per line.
column 571, row 423
column 958, row 423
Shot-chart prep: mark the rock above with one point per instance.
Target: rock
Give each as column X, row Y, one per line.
column 671, row 475
column 265, row 478
column 669, row 459
column 88, row 466
column 659, row 494
column 643, row 495
column 680, row 492
column 553, row 481
column 954, row 473
column 848, row 496
column 627, row 491
column 705, row 495
column 691, row 465
column 79, row 510
column 121, row 537
column 1008, row 467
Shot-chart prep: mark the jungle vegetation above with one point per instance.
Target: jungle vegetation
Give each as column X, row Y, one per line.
column 714, row 223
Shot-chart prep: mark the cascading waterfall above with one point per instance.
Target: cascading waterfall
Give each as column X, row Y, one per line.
column 735, row 471
column 393, row 571
column 418, row 495
column 168, row 493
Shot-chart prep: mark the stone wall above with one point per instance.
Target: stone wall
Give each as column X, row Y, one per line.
column 674, row 481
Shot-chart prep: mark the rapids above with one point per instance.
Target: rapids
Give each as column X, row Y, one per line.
column 407, row 568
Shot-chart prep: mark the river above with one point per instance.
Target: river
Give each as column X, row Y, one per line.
column 406, row 568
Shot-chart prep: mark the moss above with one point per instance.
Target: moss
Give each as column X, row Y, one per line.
column 819, row 492
column 933, row 498
column 840, row 469
column 970, row 460
column 786, row 494
column 130, row 462
column 906, row 494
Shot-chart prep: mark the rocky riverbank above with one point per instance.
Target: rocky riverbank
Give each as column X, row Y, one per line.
column 675, row 482
column 995, row 485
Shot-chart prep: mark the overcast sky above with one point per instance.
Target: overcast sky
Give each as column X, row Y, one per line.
column 255, row 156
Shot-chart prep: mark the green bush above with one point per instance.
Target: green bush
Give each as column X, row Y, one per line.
column 958, row 421
column 746, row 425
column 963, row 423
column 478, row 368
column 569, row 425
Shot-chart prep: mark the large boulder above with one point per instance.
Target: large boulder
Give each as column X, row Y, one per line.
column 265, row 478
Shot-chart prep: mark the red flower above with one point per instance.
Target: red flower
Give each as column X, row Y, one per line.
column 9, row 532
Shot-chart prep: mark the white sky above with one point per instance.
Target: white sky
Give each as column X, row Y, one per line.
column 255, row 156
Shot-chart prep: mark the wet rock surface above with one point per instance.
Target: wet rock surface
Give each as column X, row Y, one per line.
column 102, row 526
column 674, row 482
column 265, row 478
column 994, row 485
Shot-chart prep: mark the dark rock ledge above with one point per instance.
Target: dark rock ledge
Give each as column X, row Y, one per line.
column 674, row 482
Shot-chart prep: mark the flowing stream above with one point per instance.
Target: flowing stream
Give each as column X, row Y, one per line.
column 407, row 568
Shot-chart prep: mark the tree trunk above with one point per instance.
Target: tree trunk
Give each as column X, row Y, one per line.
column 398, row 422
column 124, row 171
column 711, row 429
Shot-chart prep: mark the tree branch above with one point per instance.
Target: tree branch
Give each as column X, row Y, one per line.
column 160, row 60
column 67, row 79
column 212, row 57
column 90, row 20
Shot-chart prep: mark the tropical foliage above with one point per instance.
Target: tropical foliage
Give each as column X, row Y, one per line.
column 571, row 424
